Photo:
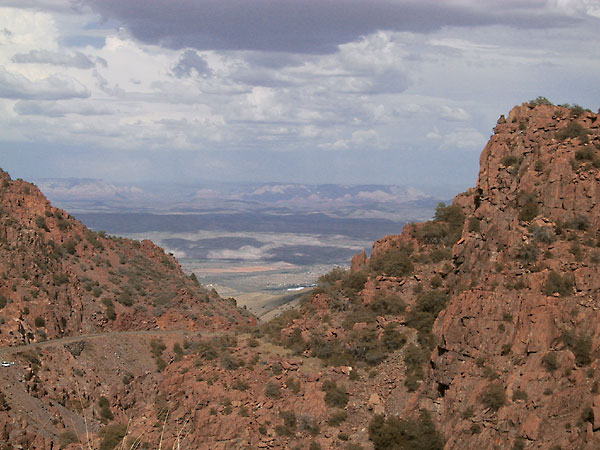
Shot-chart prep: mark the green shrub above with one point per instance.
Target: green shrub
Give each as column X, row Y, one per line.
column 39, row 322
column 395, row 262
column 528, row 207
column 112, row 436
column 559, row 284
column 273, row 390
column 110, row 309
column 474, row 225
column 289, row 419
column 70, row 247
column 510, row 160
column 581, row 346
column 493, row 396
column 40, row 221
column 579, row 222
column 336, row 419
column 335, row 396
column 519, row 394
column 433, row 233
column 573, row 130
column 392, row 338
column 387, row 303
column 105, row 412
column 394, row 433
column 540, row 101
column 157, row 347
column 550, row 361
column 527, row 253
column 125, row 299
column 67, row 437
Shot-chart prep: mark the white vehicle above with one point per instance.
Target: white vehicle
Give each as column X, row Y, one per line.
column 7, row 364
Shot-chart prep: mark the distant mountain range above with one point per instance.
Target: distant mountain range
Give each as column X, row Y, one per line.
column 356, row 201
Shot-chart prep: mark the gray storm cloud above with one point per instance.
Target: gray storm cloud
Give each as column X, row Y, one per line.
column 309, row 26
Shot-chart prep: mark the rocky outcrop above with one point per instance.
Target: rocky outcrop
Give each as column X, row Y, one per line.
column 58, row 278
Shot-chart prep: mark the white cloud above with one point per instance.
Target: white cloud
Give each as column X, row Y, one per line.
column 453, row 114
column 464, row 138
column 53, row 87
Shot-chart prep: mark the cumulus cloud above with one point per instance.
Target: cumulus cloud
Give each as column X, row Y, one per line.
column 309, row 26
column 75, row 59
column 53, row 87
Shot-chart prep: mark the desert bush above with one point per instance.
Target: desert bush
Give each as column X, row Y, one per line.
column 392, row 338
column 92, row 238
column 125, row 298
column 105, row 412
column 289, row 419
column 309, row 424
column 40, row 221
column 353, row 282
column 440, row 254
column 67, row 437
column 157, row 347
column 581, row 346
column 229, row 362
column 493, row 396
column 70, row 247
column 433, row 232
column 112, row 436
column 273, row 390
column 110, row 309
column 336, row 419
column 558, row 284
column 335, row 396
column 579, row 222
column 474, row 225
column 542, row 234
column 550, row 361
column 394, row 433
column 528, row 206
column 519, row 394
column 395, row 262
column 387, row 303
column 527, row 253
column 540, row 101
column 39, row 322
column 510, row 160
column 573, row 130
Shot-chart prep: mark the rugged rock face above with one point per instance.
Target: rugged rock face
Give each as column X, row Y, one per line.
column 58, row 278
column 516, row 361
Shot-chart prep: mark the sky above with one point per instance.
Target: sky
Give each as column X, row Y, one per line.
column 402, row 92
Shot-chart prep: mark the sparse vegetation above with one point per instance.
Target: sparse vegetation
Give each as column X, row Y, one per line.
column 559, row 284
column 573, row 130
column 112, row 436
column 393, row 433
column 493, row 396
column 335, row 396
column 581, row 346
